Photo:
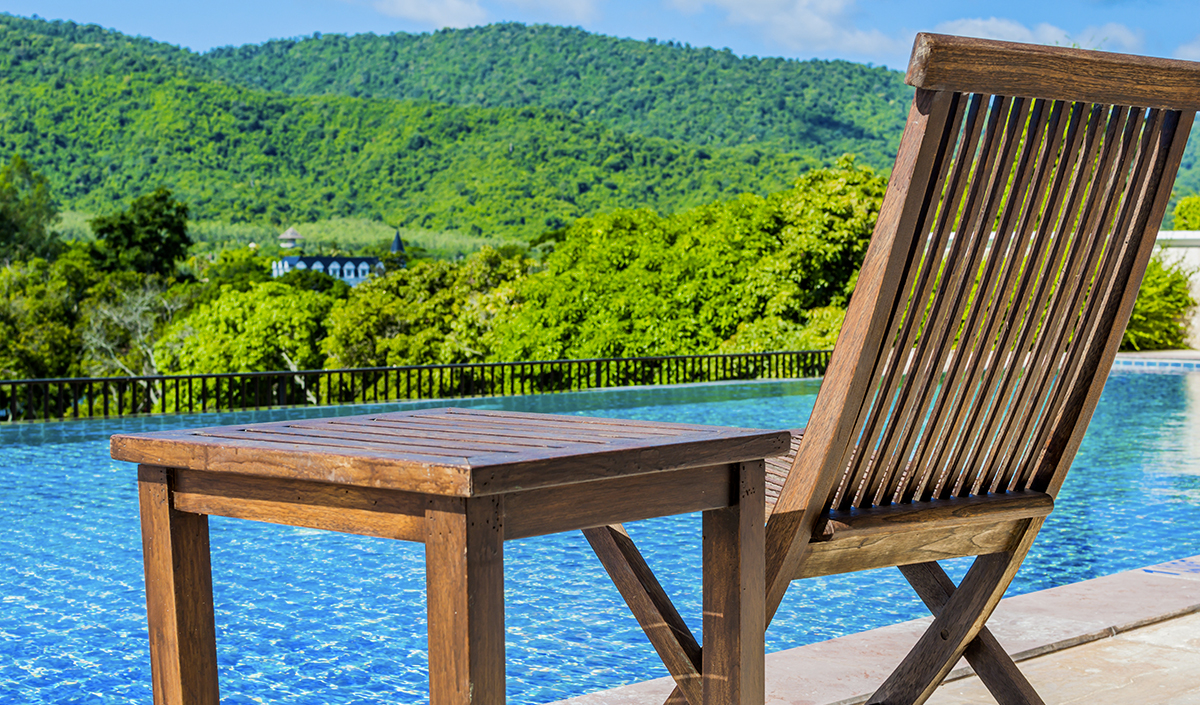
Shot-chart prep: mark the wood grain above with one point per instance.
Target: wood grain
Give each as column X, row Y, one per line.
column 734, row 590
column 946, row 63
column 936, row 514
column 651, row 606
column 464, row 566
column 987, row 657
column 960, row 620
column 387, row 514
column 591, row 504
column 916, row 546
column 824, row 454
column 179, row 603
column 408, row 451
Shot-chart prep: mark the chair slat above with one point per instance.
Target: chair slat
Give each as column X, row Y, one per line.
column 921, row 281
column 964, row 262
column 1138, row 148
column 969, row 344
column 1025, row 298
column 1065, row 319
column 1037, row 351
column 1030, row 172
column 1067, row 282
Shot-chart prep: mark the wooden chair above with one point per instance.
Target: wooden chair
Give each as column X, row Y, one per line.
column 1021, row 212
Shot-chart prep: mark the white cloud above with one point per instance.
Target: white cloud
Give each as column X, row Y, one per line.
column 1110, row 37
column 439, row 13
column 1190, row 51
column 805, row 25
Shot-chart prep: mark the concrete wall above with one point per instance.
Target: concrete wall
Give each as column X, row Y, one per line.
column 1183, row 246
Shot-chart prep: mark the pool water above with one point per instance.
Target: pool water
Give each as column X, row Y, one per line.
column 305, row 616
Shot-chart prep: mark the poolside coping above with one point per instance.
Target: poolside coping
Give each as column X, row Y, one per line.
column 1158, row 361
column 844, row 671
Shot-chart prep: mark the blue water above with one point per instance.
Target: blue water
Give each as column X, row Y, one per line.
column 311, row 617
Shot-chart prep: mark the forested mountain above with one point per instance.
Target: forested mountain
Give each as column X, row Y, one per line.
column 503, row 130
column 696, row 95
column 105, row 117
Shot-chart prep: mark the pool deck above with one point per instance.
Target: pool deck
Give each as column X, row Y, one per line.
column 1123, row 638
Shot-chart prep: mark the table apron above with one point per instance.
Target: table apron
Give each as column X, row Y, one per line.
column 401, row 515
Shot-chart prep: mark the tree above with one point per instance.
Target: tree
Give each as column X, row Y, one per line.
column 27, row 211
column 1187, row 213
column 149, row 237
column 271, row 326
column 430, row 313
column 123, row 322
column 746, row 275
column 312, row 280
column 40, row 305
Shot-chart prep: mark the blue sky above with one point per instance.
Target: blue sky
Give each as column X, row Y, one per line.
column 875, row 31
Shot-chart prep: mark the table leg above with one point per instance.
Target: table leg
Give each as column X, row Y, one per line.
column 464, row 578
column 179, row 603
column 734, row 595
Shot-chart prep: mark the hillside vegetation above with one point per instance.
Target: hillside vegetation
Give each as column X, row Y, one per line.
column 696, row 95
column 104, row 116
column 501, row 131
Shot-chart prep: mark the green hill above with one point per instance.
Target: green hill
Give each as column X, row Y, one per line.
column 499, row 131
column 696, row 95
column 105, row 117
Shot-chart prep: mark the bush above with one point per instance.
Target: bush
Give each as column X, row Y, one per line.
column 1187, row 213
column 1163, row 309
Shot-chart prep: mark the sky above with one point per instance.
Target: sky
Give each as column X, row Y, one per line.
column 879, row 32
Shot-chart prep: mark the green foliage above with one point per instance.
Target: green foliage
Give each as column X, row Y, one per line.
column 271, row 326
column 432, row 312
column 360, row 236
column 547, row 124
column 321, row 282
column 1188, row 179
column 239, row 269
column 744, row 275
column 211, row 236
column 149, row 237
column 1187, row 213
column 696, row 95
column 75, row 226
column 100, row 122
column 241, row 155
column 26, row 213
column 40, row 305
column 1163, row 309
column 123, row 317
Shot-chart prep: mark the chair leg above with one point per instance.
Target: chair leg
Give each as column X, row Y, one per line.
column 956, row 625
column 987, row 657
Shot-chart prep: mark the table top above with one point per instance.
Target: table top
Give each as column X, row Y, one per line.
column 453, row 451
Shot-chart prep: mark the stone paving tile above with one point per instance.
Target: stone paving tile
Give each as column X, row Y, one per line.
column 1153, row 665
column 839, row 671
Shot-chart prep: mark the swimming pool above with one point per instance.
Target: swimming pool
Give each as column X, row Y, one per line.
column 332, row 618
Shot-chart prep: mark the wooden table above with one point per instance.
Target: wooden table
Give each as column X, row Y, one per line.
column 461, row 481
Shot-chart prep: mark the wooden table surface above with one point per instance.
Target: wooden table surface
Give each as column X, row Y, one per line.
column 453, row 452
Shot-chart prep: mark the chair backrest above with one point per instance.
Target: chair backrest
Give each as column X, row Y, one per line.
column 1017, row 225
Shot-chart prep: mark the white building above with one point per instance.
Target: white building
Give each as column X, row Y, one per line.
column 352, row 270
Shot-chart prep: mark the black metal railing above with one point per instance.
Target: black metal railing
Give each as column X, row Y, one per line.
column 82, row 397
